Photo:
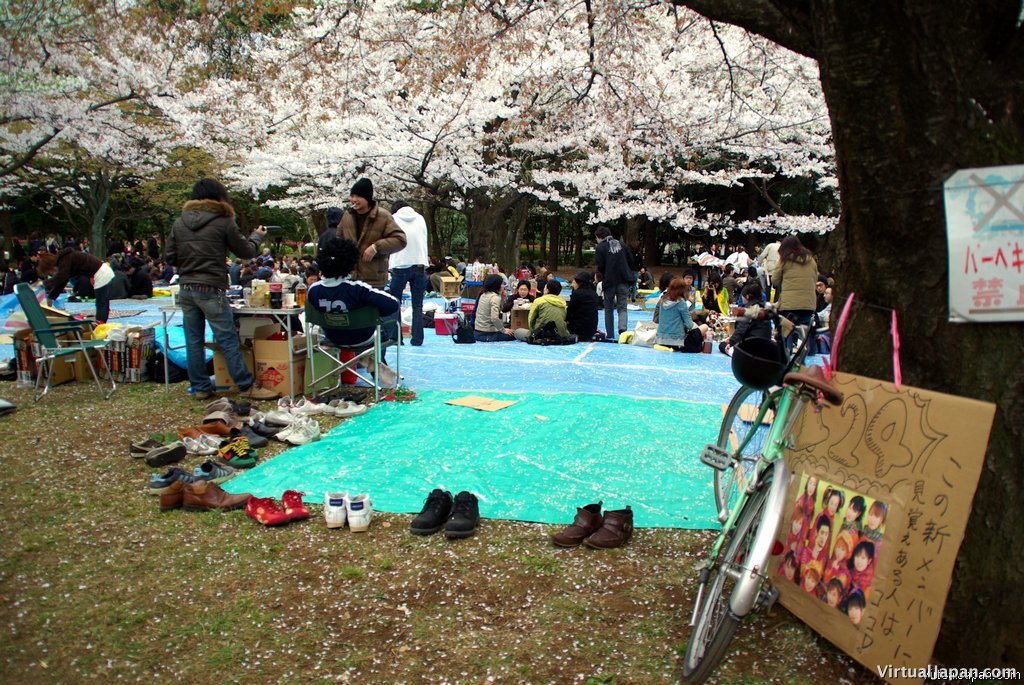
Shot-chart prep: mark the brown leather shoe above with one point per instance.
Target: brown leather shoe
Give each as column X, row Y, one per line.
column 206, row 496
column 615, row 532
column 588, row 520
column 172, row 497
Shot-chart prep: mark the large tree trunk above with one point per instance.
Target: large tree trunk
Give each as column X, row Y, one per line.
column 491, row 236
column 554, row 222
column 917, row 90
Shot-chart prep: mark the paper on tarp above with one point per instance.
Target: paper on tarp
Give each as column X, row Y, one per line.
column 896, row 469
column 481, row 403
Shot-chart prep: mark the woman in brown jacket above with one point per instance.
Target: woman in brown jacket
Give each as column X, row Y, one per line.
column 794, row 280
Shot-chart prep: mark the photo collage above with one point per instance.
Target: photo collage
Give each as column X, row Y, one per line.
column 832, row 544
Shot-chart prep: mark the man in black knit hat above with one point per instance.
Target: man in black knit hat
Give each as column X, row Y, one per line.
column 374, row 231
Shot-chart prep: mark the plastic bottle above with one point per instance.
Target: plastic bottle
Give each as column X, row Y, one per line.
column 300, row 295
column 707, row 342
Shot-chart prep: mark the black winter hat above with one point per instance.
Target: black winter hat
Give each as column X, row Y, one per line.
column 583, row 277
column 364, row 189
column 334, row 215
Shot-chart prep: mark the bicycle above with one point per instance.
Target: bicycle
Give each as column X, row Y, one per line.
column 732, row 579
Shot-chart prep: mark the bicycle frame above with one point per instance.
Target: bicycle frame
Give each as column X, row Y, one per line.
column 750, row 573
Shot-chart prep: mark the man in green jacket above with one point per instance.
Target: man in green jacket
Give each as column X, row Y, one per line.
column 548, row 308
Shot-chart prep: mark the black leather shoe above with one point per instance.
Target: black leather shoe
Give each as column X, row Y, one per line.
column 435, row 513
column 465, row 517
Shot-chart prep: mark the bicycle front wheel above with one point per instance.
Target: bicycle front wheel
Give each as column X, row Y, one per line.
column 737, row 425
column 716, row 624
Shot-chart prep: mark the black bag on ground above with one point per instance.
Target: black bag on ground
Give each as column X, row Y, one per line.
column 175, row 374
column 548, row 335
column 463, row 334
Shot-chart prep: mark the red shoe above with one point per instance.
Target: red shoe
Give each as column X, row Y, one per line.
column 266, row 511
column 293, row 506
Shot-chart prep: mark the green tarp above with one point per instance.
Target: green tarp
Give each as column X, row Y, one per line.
column 536, row 460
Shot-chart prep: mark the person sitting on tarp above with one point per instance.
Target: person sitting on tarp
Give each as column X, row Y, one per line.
column 676, row 328
column 519, row 298
column 338, row 292
column 488, row 325
column 547, row 317
column 140, row 285
column 119, row 286
column 581, row 314
column 748, row 328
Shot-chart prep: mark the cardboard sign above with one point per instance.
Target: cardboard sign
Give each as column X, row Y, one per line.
column 878, row 503
column 481, row 403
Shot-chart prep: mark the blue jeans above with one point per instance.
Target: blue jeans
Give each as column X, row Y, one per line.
column 201, row 305
column 416, row 277
column 615, row 298
column 498, row 336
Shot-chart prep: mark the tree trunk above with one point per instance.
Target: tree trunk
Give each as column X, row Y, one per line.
column 651, row 252
column 916, row 91
column 554, row 222
column 577, row 226
column 491, row 236
column 434, row 246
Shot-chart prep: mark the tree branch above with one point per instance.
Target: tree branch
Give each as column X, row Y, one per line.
column 785, row 22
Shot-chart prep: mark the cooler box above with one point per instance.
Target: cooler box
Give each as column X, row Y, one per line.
column 467, row 306
column 445, row 324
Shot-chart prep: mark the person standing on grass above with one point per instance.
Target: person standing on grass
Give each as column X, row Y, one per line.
column 409, row 265
column 613, row 260
column 198, row 245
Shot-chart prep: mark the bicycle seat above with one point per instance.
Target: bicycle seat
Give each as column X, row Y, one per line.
column 814, row 377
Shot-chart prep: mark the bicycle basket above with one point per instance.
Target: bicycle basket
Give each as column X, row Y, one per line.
column 758, row 363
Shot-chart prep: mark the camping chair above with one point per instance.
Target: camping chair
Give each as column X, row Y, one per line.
column 364, row 317
column 49, row 347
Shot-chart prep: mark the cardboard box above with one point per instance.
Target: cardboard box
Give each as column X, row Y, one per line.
column 450, row 286
column 520, row 318
column 272, row 368
column 126, row 359
column 252, row 327
column 25, row 350
column 221, row 378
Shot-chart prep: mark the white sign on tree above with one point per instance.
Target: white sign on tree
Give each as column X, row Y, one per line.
column 985, row 232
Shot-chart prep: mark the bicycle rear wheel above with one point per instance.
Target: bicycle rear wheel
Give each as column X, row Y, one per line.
column 716, row 624
column 737, row 424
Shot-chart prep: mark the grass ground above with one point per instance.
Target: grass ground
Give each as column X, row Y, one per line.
column 96, row 585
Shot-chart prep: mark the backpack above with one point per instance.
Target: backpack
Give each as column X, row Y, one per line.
column 463, row 334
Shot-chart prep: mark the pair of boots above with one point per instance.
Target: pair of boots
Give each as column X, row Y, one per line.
column 459, row 517
column 597, row 530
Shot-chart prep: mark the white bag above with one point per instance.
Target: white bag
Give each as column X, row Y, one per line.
column 644, row 334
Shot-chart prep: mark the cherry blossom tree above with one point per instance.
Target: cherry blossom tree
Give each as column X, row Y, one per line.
column 917, row 90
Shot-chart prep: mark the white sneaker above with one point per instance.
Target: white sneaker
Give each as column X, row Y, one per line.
column 306, row 407
column 306, row 432
column 279, row 418
column 196, row 446
column 345, row 408
column 295, row 425
column 360, row 511
column 334, row 509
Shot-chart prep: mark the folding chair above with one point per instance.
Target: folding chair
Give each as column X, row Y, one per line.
column 49, row 347
column 317, row 341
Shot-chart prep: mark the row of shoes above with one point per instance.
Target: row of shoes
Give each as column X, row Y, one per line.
column 597, row 529
column 459, row 516
column 306, row 407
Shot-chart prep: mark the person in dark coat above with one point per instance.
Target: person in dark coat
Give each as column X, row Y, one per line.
column 70, row 263
column 613, row 260
column 581, row 316
column 140, row 284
